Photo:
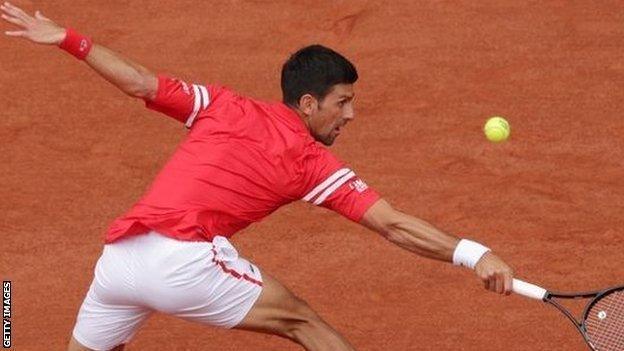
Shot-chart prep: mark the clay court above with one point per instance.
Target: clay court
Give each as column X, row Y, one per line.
column 76, row 153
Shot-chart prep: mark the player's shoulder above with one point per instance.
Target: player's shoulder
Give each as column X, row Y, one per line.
column 220, row 94
column 317, row 149
column 319, row 159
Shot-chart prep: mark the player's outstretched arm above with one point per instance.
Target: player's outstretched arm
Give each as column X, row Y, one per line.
column 422, row 238
column 130, row 77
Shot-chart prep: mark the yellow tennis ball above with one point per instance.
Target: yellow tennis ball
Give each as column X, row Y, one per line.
column 497, row 129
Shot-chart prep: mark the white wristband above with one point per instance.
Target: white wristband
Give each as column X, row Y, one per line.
column 468, row 253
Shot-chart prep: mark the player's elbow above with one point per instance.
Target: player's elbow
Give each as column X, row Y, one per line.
column 143, row 86
column 384, row 219
column 390, row 227
column 395, row 234
column 395, row 229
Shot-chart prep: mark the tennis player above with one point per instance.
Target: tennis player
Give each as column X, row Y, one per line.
column 241, row 160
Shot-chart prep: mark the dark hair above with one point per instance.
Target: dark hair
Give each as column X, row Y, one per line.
column 314, row 70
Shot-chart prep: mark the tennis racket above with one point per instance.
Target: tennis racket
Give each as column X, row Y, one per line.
column 602, row 322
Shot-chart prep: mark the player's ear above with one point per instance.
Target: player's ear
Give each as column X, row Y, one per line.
column 307, row 104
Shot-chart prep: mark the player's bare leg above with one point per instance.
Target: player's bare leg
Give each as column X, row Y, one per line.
column 75, row 346
column 278, row 311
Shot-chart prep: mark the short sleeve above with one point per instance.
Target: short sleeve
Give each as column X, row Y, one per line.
column 338, row 188
column 182, row 101
column 351, row 199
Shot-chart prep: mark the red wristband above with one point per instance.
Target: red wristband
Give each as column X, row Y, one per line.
column 76, row 44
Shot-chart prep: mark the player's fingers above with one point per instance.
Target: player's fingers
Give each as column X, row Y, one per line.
column 17, row 12
column 508, row 283
column 15, row 33
column 40, row 16
column 13, row 13
column 4, row 8
column 499, row 283
column 13, row 20
column 492, row 283
column 13, row 8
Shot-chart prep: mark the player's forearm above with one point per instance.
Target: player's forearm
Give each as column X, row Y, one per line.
column 420, row 237
column 130, row 77
column 409, row 232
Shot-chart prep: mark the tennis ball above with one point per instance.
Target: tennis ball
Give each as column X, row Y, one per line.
column 497, row 129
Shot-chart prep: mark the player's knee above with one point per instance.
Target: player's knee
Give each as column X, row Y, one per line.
column 302, row 320
column 74, row 345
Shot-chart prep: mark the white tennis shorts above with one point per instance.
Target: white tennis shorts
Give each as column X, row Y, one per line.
column 205, row 282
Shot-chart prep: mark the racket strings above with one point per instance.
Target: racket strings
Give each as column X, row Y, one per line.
column 605, row 322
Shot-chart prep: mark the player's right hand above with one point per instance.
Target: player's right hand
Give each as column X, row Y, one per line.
column 496, row 275
column 38, row 29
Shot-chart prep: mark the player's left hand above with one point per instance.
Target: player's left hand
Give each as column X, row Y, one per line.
column 496, row 275
column 38, row 29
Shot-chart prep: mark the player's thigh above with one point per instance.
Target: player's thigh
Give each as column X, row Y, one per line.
column 277, row 310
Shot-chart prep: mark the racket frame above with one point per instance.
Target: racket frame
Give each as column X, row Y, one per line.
column 579, row 324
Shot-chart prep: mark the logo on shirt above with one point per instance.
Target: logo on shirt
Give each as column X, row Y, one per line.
column 358, row 185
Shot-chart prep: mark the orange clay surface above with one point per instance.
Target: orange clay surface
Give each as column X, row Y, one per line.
column 76, row 153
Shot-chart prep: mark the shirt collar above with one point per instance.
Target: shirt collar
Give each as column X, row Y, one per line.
column 291, row 116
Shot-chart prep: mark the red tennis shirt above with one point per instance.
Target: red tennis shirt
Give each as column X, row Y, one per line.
column 241, row 160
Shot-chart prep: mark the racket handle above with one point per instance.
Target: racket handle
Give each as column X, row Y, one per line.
column 528, row 290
